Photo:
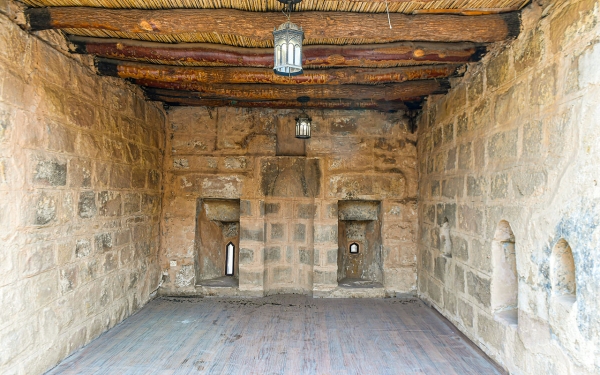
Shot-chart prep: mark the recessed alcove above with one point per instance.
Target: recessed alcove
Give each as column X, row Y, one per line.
column 505, row 282
column 217, row 229
column 359, row 244
column 562, row 273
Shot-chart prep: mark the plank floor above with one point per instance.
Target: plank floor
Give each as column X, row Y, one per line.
column 280, row 335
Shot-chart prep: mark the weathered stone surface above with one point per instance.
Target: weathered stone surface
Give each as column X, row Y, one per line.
column 290, row 177
column 87, row 204
column 479, row 288
column 224, row 210
column 273, row 253
column 358, row 210
column 50, row 172
column 440, row 268
column 277, row 231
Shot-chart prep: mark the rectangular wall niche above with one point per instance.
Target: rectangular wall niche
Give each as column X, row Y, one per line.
column 359, row 240
column 217, row 225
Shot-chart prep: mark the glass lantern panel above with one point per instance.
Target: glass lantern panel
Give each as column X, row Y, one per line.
column 297, row 56
column 283, row 53
column 290, row 56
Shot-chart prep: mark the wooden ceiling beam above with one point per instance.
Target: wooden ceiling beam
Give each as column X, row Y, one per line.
column 259, row 25
column 183, row 100
column 236, row 75
column 396, row 91
column 318, row 56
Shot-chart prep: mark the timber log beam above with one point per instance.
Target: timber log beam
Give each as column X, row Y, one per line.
column 219, row 75
column 183, row 100
column 313, row 56
column 259, row 25
column 396, row 91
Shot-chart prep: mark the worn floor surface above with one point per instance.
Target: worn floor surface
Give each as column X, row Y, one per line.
column 280, row 335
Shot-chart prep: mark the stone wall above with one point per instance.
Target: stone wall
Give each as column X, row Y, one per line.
column 80, row 161
column 288, row 204
column 509, row 167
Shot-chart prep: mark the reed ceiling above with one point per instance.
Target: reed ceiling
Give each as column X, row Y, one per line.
column 218, row 52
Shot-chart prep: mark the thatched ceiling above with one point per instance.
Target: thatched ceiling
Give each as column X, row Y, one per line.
column 352, row 58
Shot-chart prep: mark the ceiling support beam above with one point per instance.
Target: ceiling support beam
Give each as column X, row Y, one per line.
column 259, row 25
column 314, row 56
column 187, row 100
column 396, row 91
column 236, row 75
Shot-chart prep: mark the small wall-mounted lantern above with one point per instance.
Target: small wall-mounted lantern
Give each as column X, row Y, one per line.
column 354, row 248
column 229, row 254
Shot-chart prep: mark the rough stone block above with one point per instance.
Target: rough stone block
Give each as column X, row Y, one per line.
column 245, row 208
column 324, row 277
column 68, row 278
column 80, row 173
column 459, row 279
column 45, row 209
column 499, row 186
column 325, row 233
column 451, row 159
column 470, row 219
column 87, row 204
column 450, row 301
column 527, row 182
column 476, row 186
column 304, row 256
column 465, row 311
column 37, row 259
column 491, row 331
column 446, row 211
column 299, row 233
column 332, row 256
column 479, row 288
column 104, row 242
column 453, row 187
column 358, row 210
column 282, row 275
column 273, row 253
column 498, row 70
column 481, row 255
column 440, row 268
column 316, row 258
column 109, row 203
column 306, row 211
column 277, row 231
column 51, row 172
column 503, row 146
column 460, row 248
column 224, row 210
column 435, row 292
column 83, row 248
column 252, row 234
column 131, row 203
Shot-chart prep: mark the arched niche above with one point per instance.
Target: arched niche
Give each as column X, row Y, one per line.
column 505, row 282
column 562, row 270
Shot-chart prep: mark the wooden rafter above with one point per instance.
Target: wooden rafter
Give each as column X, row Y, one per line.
column 259, row 25
column 188, row 99
column 314, row 56
column 396, row 91
column 236, row 75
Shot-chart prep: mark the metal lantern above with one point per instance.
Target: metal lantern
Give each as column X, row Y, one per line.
column 288, row 39
column 303, row 126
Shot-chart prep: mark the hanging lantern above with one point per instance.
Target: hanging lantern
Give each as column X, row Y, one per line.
column 288, row 39
column 303, row 126
column 303, row 121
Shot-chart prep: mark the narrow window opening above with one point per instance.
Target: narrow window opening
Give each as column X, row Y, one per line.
column 229, row 259
column 354, row 248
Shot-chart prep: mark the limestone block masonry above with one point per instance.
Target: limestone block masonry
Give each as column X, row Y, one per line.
column 80, row 176
column 509, row 167
column 288, row 204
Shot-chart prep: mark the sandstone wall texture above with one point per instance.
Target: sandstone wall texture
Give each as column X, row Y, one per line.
column 288, row 204
column 80, row 162
column 509, row 169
